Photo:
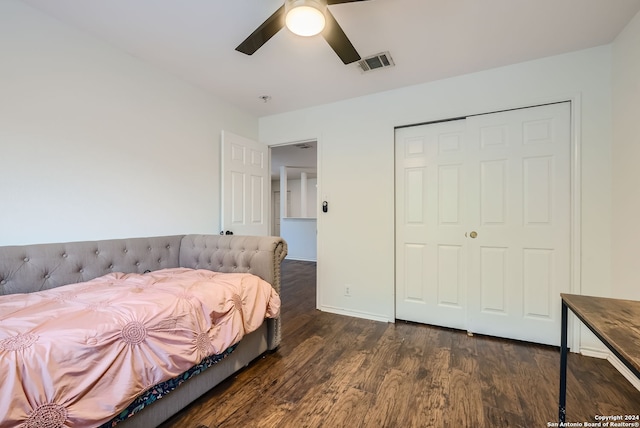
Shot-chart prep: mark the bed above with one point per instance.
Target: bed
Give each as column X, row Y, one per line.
column 228, row 284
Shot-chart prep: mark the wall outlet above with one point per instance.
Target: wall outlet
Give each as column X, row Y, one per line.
column 347, row 290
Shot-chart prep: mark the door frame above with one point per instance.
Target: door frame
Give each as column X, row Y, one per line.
column 318, row 199
column 575, row 216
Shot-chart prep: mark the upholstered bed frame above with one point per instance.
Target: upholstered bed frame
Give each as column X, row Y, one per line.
column 30, row 268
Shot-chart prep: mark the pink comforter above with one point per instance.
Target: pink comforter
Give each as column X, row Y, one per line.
column 77, row 355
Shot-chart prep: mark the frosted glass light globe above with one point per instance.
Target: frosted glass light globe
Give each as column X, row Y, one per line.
column 305, row 21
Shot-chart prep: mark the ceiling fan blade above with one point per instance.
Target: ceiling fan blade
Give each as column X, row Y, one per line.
column 338, row 40
column 263, row 33
column 330, row 2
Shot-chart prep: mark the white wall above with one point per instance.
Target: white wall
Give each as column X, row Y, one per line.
column 356, row 236
column 300, row 234
column 625, row 192
column 95, row 143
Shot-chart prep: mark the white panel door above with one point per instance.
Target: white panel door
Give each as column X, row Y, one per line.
column 483, row 222
column 520, row 203
column 430, row 223
column 244, row 186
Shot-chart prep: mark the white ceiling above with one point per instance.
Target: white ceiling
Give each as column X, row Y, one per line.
column 428, row 40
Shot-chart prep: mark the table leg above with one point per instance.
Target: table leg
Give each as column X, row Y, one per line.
column 562, row 410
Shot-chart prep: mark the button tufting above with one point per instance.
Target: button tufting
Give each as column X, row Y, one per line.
column 126, row 251
column 137, row 263
column 3, row 282
column 81, row 270
column 65, row 255
column 47, row 276
column 149, row 248
column 26, row 259
column 97, row 252
column 110, row 266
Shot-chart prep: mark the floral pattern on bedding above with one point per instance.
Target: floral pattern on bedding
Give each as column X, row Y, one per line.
column 79, row 354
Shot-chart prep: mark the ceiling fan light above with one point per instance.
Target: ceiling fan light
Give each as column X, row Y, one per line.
column 305, row 17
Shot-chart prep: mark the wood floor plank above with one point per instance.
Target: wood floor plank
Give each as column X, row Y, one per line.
column 499, row 418
column 491, row 373
column 350, row 409
column 464, row 407
column 321, row 396
column 388, row 410
column 429, row 405
column 336, row 371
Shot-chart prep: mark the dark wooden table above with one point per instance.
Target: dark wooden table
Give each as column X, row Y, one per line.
column 616, row 322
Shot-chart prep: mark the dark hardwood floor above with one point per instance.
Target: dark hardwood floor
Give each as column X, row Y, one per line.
column 337, row 371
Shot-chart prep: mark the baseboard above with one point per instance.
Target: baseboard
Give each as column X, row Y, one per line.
column 615, row 362
column 595, row 352
column 355, row 314
column 300, row 259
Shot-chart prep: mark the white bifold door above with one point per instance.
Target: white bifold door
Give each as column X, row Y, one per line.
column 483, row 210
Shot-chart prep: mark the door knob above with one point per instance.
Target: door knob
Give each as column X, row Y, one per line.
column 473, row 234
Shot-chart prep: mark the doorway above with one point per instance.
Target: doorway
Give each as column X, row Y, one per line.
column 294, row 169
column 483, row 222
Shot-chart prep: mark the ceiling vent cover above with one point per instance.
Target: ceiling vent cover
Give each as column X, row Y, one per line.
column 374, row 62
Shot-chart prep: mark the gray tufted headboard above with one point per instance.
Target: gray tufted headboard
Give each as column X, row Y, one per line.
column 260, row 256
column 30, row 268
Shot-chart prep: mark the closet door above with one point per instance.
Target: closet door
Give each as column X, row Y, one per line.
column 431, row 219
column 483, row 222
column 519, row 202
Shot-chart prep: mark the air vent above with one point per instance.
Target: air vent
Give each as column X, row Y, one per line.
column 375, row 62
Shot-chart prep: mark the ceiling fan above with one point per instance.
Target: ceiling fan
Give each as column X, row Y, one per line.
column 329, row 27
